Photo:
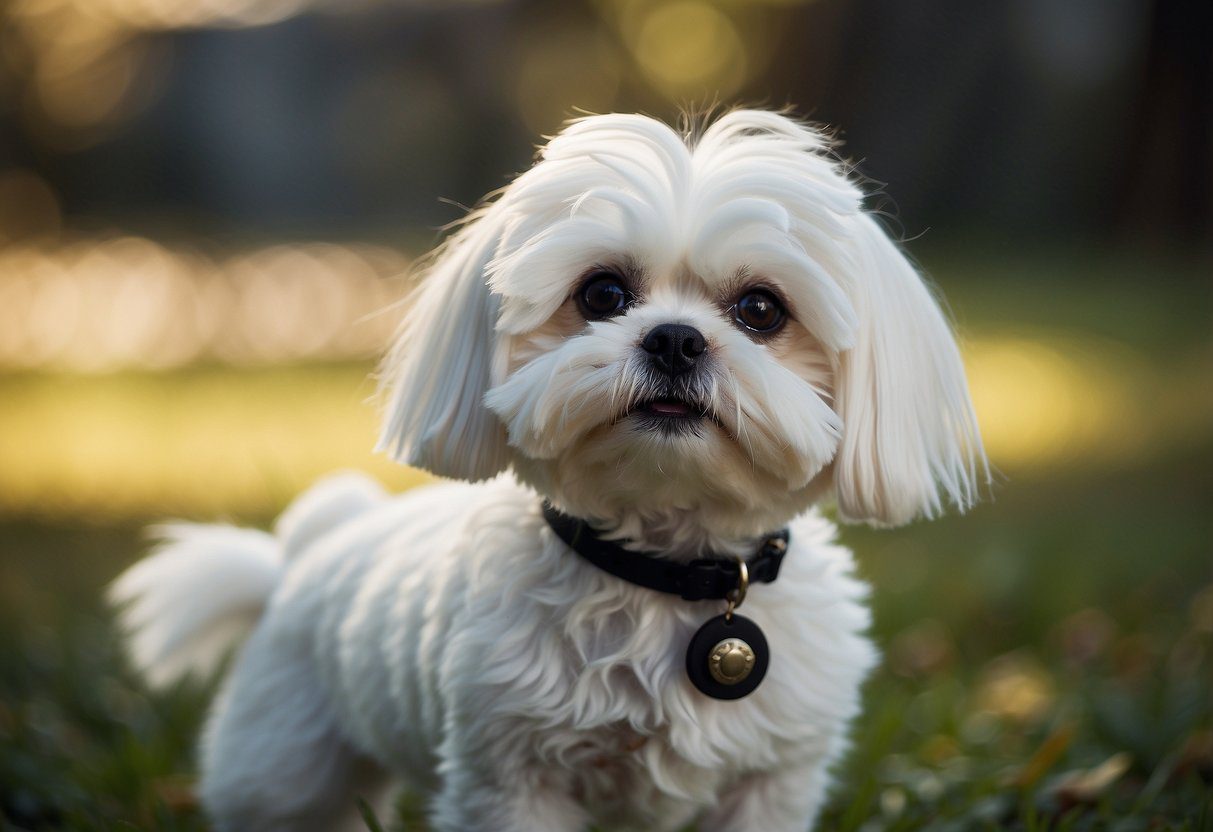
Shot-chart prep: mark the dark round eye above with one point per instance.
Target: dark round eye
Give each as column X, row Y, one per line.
column 760, row 311
column 603, row 295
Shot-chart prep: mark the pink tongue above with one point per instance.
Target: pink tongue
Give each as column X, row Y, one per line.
column 669, row 408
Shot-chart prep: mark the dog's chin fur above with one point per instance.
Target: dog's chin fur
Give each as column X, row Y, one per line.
column 447, row 640
column 684, row 494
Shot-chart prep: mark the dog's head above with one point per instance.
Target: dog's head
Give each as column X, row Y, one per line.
column 646, row 322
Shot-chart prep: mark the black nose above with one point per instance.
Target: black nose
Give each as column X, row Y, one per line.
column 673, row 348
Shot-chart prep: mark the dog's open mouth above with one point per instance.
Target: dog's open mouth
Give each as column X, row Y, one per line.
column 671, row 408
column 670, row 414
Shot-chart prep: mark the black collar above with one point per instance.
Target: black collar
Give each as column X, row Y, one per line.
column 698, row 580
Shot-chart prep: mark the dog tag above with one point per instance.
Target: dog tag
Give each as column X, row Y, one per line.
column 728, row 657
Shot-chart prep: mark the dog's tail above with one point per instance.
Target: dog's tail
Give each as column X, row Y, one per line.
column 203, row 589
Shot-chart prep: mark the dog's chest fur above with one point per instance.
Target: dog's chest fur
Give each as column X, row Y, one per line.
column 455, row 629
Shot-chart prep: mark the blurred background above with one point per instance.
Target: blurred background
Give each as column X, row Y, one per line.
column 206, row 205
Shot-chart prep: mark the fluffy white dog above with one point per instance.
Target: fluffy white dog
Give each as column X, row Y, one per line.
column 681, row 341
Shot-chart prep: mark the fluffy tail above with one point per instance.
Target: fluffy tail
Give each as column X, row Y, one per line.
column 203, row 589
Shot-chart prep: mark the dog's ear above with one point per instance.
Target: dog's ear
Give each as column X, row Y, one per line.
column 910, row 436
column 441, row 365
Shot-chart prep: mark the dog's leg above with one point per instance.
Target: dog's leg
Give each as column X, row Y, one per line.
column 521, row 800
column 779, row 801
column 273, row 759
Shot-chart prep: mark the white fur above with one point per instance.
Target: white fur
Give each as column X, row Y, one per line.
column 447, row 638
column 200, row 593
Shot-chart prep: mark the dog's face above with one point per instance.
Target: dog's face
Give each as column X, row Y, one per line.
column 640, row 324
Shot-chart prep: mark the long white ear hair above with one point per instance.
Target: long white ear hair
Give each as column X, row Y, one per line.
column 910, row 438
column 441, row 365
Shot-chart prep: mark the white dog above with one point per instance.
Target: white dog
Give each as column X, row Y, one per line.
column 681, row 341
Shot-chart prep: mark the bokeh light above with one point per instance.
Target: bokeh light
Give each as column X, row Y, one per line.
column 1047, row 399
column 98, row 306
column 689, row 49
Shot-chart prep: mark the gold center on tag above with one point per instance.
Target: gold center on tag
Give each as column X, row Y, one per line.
column 730, row 661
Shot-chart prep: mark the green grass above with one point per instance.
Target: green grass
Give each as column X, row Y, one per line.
column 1048, row 657
column 1068, row 625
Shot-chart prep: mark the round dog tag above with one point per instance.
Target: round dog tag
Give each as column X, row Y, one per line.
column 727, row 658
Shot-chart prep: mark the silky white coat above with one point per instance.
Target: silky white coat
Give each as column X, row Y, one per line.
column 446, row 641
